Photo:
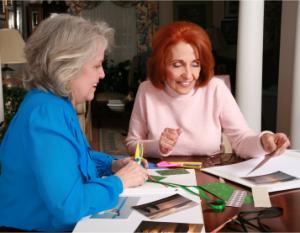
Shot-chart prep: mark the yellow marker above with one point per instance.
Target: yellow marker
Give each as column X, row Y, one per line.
column 142, row 151
column 139, row 151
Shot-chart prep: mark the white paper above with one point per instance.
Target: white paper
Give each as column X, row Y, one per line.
column 150, row 188
column 287, row 163
column 190, row 215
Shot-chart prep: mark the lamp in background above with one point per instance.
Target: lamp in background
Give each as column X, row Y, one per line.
column 11, row 52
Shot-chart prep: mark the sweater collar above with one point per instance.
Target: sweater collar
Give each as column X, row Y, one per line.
column 175, row 94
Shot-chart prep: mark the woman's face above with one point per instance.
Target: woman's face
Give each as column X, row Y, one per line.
column 183, row 68
column 84, row 85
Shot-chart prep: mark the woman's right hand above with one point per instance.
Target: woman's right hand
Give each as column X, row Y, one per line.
column 168, row 139
column 132, row 174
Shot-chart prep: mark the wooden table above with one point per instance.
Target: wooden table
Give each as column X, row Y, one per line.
column 288, row 200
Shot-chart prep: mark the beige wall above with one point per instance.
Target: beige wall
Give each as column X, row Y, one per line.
column 286, row 65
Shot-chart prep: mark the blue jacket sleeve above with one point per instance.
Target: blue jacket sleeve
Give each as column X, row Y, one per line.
column 103, row 162
column 54, row 151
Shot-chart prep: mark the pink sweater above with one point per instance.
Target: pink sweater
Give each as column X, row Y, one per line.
column 202, row 114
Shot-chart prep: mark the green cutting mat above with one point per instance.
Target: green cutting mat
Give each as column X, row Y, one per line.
column 224, row 191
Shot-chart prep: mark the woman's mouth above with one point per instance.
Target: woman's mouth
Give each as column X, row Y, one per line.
column 185, row 83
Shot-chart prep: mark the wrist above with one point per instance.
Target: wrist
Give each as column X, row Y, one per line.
column 114, row 166
column 164, row 153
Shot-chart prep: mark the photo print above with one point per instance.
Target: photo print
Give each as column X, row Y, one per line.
column 274, row 177
column 165, row 206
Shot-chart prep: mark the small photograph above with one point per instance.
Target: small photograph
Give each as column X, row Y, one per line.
column 274, row 177
column 122, row 210
column 165, row 206
column 157, row 227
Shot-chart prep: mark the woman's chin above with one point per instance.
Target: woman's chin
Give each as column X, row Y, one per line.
column 91, row 96
column 184, row 91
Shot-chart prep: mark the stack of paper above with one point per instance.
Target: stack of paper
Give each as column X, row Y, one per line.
column 279, row 173
column 149, row 192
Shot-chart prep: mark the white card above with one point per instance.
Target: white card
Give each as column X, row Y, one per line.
column 261, row 196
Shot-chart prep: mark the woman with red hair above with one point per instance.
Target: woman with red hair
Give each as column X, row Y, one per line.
column 183, row 110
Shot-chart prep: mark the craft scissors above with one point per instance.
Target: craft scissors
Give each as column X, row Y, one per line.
column 139, row 153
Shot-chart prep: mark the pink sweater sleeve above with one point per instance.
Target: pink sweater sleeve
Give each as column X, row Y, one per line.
column 245, row 142
column 138, row 130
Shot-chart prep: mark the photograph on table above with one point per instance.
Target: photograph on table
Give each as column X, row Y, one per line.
column 148, row 226
column 271, row 178
column 165, row 206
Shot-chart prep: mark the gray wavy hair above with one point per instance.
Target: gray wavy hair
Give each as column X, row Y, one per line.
column 58, row 49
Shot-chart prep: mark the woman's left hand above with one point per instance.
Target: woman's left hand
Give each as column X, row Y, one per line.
column 274, row 143
column 120, row 163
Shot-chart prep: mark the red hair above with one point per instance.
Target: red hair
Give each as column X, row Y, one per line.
column 169, row 35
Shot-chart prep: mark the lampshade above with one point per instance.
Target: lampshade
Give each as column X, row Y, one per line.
column 11, row 47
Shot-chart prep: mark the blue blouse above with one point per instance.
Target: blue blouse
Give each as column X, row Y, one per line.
column 50, row 177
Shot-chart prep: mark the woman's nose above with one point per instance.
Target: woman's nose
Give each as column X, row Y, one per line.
column 101, row 74
column 188, row 73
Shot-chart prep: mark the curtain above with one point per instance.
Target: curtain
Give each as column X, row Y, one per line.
column 122, row 19
column 147, row 20
column 135, row 23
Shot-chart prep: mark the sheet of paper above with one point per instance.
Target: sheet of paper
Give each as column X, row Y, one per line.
column 121, row 210
column 261, row 196
column 191, row 215
column 153, row 189
column 287, row 163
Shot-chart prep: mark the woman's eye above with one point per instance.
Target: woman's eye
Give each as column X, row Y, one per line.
column 195, row 64
column 176, row 64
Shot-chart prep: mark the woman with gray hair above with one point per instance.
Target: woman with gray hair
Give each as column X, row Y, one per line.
column 50, row 177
